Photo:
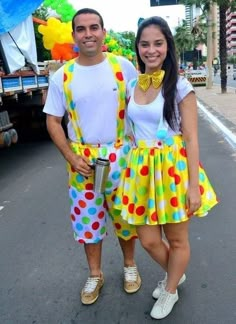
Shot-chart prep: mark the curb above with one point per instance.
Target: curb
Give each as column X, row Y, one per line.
column 229, row 136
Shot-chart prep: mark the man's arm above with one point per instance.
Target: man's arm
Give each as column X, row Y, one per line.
column 81, row 164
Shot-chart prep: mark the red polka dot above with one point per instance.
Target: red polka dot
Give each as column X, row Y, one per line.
column 127, row 173
column 89, row 186
column 131, row 208
column 125, row 200
column 154, row 217
column 119, row 76
column 200, row 164
column 144, row 171
column 87, row 152
column 201, row 190
column 112, row 157
column 77, row 211
column 105, row 205
column 140, row 210
column 122, row 114
column 171, row 171
column 152, row 151
column 88, row 235
column 177, row 179
column 82, row 203
column 101, row 215
column 95, row 226
column 89, row 195
column 72, row 217
column 117, row 226
column 174, row 201
column 81, row 241
column 183, row 152
column 65, row 77
column 72, row 169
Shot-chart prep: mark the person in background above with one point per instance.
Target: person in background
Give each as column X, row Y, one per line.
column 163, row 185
column 91, row 90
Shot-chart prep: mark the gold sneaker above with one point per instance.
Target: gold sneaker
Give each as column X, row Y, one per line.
column 91, row 290
column 132, row 280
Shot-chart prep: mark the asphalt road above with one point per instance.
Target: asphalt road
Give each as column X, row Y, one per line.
column 42, row 269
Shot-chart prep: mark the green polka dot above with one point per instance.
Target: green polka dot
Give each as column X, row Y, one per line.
column 183, row 199
column 103, row 230
column 98, row 201
column 159, row 190
column 116, row 212
column 85, row 220
column 142, row 190
column 122, row 162
column 104, row 151
column 108, row 184
column 71, row 202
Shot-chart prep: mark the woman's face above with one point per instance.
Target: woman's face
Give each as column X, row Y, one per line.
column 152, row 48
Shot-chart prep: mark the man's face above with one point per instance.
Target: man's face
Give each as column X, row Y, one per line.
column 88, row 34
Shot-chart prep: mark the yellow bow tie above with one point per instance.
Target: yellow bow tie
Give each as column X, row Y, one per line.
column 145, row 80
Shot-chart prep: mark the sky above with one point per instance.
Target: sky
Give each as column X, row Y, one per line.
column 123, row 15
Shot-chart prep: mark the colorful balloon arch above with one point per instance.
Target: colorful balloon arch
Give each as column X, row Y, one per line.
column 57, row 34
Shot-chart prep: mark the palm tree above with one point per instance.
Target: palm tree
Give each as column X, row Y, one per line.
column 183, row 40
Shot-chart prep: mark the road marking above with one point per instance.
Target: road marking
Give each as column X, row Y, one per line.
column 229, row 135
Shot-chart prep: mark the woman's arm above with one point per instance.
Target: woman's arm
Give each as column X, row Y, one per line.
column 189, row 127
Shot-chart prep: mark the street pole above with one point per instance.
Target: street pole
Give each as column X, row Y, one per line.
column 209, row 47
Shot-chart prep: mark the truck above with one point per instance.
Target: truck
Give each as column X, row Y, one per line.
column 23, row 82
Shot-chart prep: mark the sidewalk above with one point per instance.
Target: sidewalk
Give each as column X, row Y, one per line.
column 219, row 108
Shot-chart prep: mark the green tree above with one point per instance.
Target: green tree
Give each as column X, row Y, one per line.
column 183, row 40
column 42, row 53
column 205, row 5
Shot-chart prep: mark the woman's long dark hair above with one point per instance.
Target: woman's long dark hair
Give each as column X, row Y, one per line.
column 170, row 66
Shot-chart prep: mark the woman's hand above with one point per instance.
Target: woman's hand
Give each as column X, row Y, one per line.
column 193, row 199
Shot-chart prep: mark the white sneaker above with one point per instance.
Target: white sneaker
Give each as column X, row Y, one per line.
column 163, row 306
column 162, row 284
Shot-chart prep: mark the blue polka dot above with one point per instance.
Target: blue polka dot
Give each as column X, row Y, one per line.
column 73, row 193
column 169, row 141
column 125, row 233
column 181, row 165
column 126, row 149
column 176, row 216
column 173, row 187
column 201, row 176
column 71, row 67
column 151, row 203
column 72, row 105
column 79, row 227
column 116, row 175
column 117, row 200
column 140, row 160
column 79, row 178
column 133, row 83
column 132, row 173
column 92, row 211
column 170, row 157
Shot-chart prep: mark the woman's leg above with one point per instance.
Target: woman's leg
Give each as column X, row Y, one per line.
column 179, row 253
column 150, row 237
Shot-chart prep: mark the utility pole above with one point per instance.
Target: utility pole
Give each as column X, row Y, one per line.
column 209, row 47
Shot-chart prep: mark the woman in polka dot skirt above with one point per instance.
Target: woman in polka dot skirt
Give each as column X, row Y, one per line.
column 164, row 184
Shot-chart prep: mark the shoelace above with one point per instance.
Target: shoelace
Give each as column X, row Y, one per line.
column 130, row 273
column 163, row 300
column 91, row 284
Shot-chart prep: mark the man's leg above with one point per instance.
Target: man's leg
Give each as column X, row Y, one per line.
column 93, row 253
column 128, row 249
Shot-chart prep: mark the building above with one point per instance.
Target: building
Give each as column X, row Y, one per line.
column 231, row 32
